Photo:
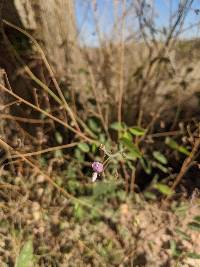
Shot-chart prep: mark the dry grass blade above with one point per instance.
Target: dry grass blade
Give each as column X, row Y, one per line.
column 50, row 180
column 50, row 72
column 50, row 149
column 187, row 163
column 121, row 76
column 81, row 135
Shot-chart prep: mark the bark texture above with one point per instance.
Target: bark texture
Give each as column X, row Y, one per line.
column 51, row 22
column 2, row 104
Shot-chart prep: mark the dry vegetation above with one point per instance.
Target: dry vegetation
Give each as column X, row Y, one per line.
column 131, row 103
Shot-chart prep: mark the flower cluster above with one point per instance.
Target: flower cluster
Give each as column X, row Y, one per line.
column 97, row 168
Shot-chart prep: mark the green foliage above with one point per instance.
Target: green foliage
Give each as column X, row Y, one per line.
column 150, row 195
column 58, row 154
column 164, row 189
column 197, row 219
column 103, row 189
column 93, row 125
column 79, row 212
column 135, row 152
column 79, row 155
column 146, row 164
column 127, row 149
column 160, row 166
column 117, row 126
column 180, row 209
column 130, row 149
column 137, row 131
column 193, row 255
column 58, row 137
column 25, row 257
column 84, row 147
column 182, row 234
column 160, row 157
column 175, row 146
column 194, row 226
column 174, row 250
column 73, row 185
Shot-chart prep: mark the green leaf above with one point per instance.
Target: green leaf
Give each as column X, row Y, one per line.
column 84, row 147
column 94, row 148
column 137, row 131
column 128, row 136
column 160, row 157
column 182, row 234
column 146, row 164
column 131, row 147
column 58, row 153
column 130, row 165
column 171, row 143
column 174, row 145
column 79, row 155
column 79, row 212
column 193, row 255
column 102, row 138
column 25, row 257
column 181, row 209
column 194, row 226
column 88, row 130
column 93, row 125
column 117, row 126
column 173, row 247
column 164, row 189
column 184, row 150
column 58, row 137
column 197, row 219
column 150, row 195
column 160, row 166
column 130, row 156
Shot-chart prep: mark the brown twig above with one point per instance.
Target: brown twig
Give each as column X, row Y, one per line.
column 133, row 176
column 26, row 120
column 50, row 149
column 49, row 70
column 121, row 76
column 80, row 134
column 186, row 164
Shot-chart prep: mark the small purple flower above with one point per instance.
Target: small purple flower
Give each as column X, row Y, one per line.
column 97, row 168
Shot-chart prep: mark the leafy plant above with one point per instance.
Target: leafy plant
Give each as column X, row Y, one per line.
column 84, row 147
column 175, row 146
column 164, row 189
column 25, row 257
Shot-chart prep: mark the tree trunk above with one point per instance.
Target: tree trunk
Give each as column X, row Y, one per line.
column 52, row 23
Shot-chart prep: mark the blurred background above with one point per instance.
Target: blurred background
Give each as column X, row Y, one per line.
column 108, row 81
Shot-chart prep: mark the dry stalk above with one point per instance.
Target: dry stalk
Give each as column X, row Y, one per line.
column 98, row 103
column 26, row 120
column 54, row 184
column 121, row 71
column 188, row 162
column 49, row 70
column 107, row 219
column 50, row 149
column 80, row 134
